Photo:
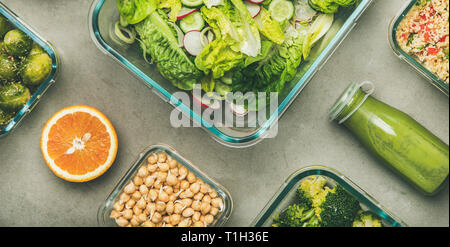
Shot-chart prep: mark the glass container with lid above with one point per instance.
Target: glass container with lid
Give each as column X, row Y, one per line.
column 394, row 137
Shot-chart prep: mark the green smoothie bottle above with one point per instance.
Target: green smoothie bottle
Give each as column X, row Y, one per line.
column 394, row 137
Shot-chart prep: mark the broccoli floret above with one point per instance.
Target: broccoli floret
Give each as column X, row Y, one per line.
column 367, row 219
column 310, row 188
column 292, row 216
column 339, row 209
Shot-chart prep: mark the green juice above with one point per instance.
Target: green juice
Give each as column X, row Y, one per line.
column 398, row 140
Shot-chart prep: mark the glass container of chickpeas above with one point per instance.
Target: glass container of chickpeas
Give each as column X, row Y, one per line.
column 163, row 189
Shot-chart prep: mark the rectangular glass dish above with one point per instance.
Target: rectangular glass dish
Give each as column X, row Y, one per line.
column 106, row 207
column 37, row 95
column 286, row 196
column 104, row 14
column 399, row 52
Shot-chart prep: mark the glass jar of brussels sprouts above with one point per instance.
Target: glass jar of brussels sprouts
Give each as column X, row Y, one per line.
column 394, row 137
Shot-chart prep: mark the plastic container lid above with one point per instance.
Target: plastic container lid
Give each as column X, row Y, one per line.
column 346, row 98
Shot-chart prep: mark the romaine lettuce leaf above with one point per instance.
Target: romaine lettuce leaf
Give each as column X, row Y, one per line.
column 173, row 5
column 318, row 29
column 269, row 27
column 212, row 3
column 134, row 11
column 161, row 43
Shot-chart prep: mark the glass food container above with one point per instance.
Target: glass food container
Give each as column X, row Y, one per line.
column 106, row 207
column 394, row 137
column 37, row 95
column 104, row 14
column 442, row 86
column 285, row 196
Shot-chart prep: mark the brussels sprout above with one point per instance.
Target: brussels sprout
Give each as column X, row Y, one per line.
column 35, row 69
column 2, row 50
column 17, row 43
column 5, row 117
column 13, row 97
column 5, row 26
column 36, row 49
column 8, row 68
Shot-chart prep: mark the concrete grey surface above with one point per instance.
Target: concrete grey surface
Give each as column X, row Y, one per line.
column 31, row 195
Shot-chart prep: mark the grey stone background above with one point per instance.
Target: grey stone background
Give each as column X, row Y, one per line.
column 31, row 195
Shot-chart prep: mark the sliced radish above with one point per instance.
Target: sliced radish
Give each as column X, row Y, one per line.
column 192, row 42
column 256, row 1
column 185, row 12
column 253, row 8
column 239, row 110
column 207, row 102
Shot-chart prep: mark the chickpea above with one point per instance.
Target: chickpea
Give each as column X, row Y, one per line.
column 171, row 180
column 121, row 221
column 168, row 189
column 172, row 197
column 137, row 180
column 160, row 206
column 213, row 194
column 195, row 187
column 156, row 218
column 114, row 214
column 185, row 222
column 149, row 181
column 196, row 205
column 174, row 171
column 184, row 185
column 172, row 163
column 178, row 208
column 214, row 211
column 186, row 202
column 163, row 196
column 142, row 218
column 206, row 198
column 157, row 184
column 198, row 196
column 175, row 219
column 130, row 203
column 134, row 221
column 136, row 195
column 142, row 172
column 205, row 208
column 183, row 171
column 168, row 225
column 152, row 168
column 209, row 219
column 188, row 212
column 166, row 219
column 130, row 188
column 162, row 176
column 164, row 167
column 170, row 207
column 118, row 206
column 153, row 194
column 143, row 189
column 198, row 224
column 204, row 188
column 162, row 157
column 186, row 194
column 137, row 210
column 196, row 216
column 151, row 207
column 148, row 223
column 216, row 202
column 127, row 213
column 152, row 159
column 191, row 177
column 124, row 197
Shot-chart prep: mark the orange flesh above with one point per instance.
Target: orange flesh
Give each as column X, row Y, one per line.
column 66, row 130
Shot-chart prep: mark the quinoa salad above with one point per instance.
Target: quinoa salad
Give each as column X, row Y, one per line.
column 424, row 33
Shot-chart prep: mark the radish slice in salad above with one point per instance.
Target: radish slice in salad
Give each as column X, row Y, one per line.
column 252, row 8
column 303, row 12
column 239, row 110
column 192, row 42
column 256, row 1
column 185, row 12
column 207, row 102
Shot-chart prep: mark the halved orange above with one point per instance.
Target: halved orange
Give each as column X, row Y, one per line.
column 79, row 143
